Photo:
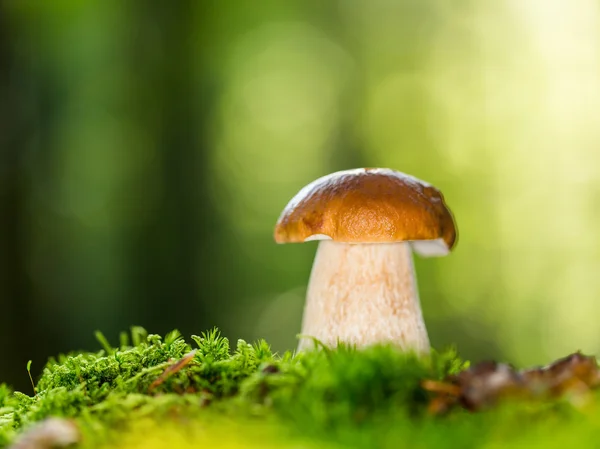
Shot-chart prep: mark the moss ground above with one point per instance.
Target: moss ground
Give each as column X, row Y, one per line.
column 153, row 392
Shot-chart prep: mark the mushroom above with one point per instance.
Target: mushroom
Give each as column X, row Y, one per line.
column 362, row 288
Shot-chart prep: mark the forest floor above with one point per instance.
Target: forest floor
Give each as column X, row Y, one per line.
column 155, row 391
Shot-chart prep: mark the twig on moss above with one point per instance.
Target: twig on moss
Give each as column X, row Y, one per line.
column 177, row 366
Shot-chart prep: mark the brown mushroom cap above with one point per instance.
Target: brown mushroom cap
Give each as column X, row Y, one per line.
column 368, row 206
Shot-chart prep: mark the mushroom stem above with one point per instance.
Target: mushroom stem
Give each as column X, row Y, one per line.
column 364, row 294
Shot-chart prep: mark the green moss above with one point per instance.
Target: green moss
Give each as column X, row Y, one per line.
column 346, row 386
column 365, row 399
column 114, row 384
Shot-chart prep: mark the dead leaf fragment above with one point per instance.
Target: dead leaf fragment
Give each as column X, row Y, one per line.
column 484, row 384
column 49, row 433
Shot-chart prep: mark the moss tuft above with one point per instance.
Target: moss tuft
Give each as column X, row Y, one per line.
column 114, row 384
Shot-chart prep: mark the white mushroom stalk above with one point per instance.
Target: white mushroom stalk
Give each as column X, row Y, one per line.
column 364, row 294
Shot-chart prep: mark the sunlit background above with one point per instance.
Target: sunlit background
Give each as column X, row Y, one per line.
column 147, row 149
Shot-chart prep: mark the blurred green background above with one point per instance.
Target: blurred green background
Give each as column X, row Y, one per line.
column 147, row 149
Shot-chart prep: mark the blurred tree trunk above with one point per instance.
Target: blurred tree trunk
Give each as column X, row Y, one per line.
column 167, row 267
column 15, row 332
